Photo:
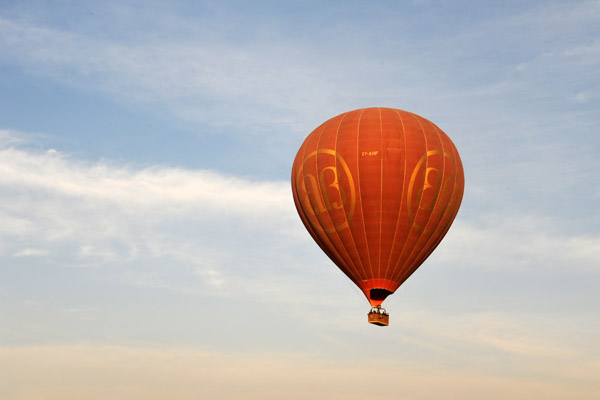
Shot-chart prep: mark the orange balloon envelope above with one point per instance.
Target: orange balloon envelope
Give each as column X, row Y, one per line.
column 377, row 189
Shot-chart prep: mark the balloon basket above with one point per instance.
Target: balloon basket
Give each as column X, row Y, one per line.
column 379, row 316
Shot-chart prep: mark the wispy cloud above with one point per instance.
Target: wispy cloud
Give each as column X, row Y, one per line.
column 199, row 80
column 527, row 337
column 8, row 138
column 519, row 243
column 203, row 234
column 271, row 82
column 85, row 213
column 276, row 81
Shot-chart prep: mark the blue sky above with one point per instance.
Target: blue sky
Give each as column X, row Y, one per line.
column 149, row 245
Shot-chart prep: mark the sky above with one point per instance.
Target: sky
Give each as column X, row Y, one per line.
column 150, row 248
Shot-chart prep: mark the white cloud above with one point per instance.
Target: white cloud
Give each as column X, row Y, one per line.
column 70, row 212
column 155, row 187
column 8, row 137
column 30, row 252
column 519, row 243
column 84, row 214
column 200, row 232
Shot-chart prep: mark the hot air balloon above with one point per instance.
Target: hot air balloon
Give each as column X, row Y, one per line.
column 377, row 189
